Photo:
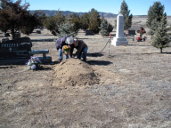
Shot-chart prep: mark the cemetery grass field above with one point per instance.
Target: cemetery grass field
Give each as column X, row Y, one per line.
column 133, row 89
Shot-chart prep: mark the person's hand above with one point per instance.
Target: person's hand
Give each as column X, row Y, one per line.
column 74, row 56
column 66, row 53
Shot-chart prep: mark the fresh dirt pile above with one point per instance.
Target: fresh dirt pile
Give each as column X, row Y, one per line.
column 74, row 72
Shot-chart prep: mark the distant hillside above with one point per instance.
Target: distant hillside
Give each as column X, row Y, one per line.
column 140, row 16
column 53, row 12
column 102, row 14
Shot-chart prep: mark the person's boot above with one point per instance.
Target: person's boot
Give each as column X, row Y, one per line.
column 84, row 59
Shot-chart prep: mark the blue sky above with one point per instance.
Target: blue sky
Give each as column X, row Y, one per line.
column 137, row 7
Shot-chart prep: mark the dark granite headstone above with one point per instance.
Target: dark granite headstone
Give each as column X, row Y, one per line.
column 17, row 48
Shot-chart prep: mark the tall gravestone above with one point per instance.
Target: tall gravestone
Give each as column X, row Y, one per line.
column 120, row 38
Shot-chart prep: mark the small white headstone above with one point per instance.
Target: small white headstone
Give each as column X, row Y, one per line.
column 120, row 38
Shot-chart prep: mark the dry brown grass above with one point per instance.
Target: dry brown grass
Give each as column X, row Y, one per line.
column 133, row 92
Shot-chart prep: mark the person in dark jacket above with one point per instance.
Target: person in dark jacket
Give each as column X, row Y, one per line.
column 59, row 45
column 81, row 47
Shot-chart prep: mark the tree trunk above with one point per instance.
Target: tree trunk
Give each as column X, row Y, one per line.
column 161, row 50
column 13, row 33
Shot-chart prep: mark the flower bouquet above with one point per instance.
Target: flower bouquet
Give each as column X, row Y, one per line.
column 66, row 49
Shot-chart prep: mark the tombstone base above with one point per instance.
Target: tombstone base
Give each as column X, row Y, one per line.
column 117, row 41
column 46, row 60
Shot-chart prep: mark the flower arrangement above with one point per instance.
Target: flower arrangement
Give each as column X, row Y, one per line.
column 66, row 49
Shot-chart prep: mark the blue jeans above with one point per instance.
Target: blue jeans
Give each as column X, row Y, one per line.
column 60, row 55
column 83, row 54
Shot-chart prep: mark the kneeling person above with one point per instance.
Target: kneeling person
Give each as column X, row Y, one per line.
column 61, row 45
column 81, row 47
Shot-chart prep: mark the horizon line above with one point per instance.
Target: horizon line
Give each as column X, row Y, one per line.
column 83, row 12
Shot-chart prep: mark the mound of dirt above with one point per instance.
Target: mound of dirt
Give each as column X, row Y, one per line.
column 74, row 72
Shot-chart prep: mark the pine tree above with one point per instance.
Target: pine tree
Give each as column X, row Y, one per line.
column 75, row 19
column 29, row 25
column 84, row 19
column 66, row 29
column 127, row 17
column 15, row 17
column 94, row 21
column 105, row 27
column 53, row 23
column 50, row 24
column 160, row 38
column 155, row 14
column 41, row 16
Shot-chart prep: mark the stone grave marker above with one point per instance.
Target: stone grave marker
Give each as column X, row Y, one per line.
column 120, row 38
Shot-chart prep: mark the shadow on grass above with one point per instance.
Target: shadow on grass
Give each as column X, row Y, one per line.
column 166, row 53
column 55, row 62
column 44, row 40
column 95, row 54
column 133, row 54
column 82, row 38
column 13, row 61
column 6, row 67
column 98, row 62
column 42, row 68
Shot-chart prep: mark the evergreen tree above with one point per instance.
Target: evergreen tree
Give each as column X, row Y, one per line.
column 61, row 25
column 110, row 28
column 53, row 23
column 30, row 24
column 115, row 24
column 160, row 38
column 59, row 18
column 66, row 29
column 50, row 24
column 94, row 21
column 41, row 16
column 75, row 19
column 155, row 14
column 13, row 17
column 127, row 17
column 84, row 19
column 105, row 27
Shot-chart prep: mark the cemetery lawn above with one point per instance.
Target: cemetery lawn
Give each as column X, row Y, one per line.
column 134, row 89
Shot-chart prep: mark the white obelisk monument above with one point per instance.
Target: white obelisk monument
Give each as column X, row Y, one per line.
column 120, row 38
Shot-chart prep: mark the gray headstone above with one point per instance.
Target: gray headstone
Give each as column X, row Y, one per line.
column 120, row 38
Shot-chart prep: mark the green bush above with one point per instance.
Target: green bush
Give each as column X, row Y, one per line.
column 105, row 28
